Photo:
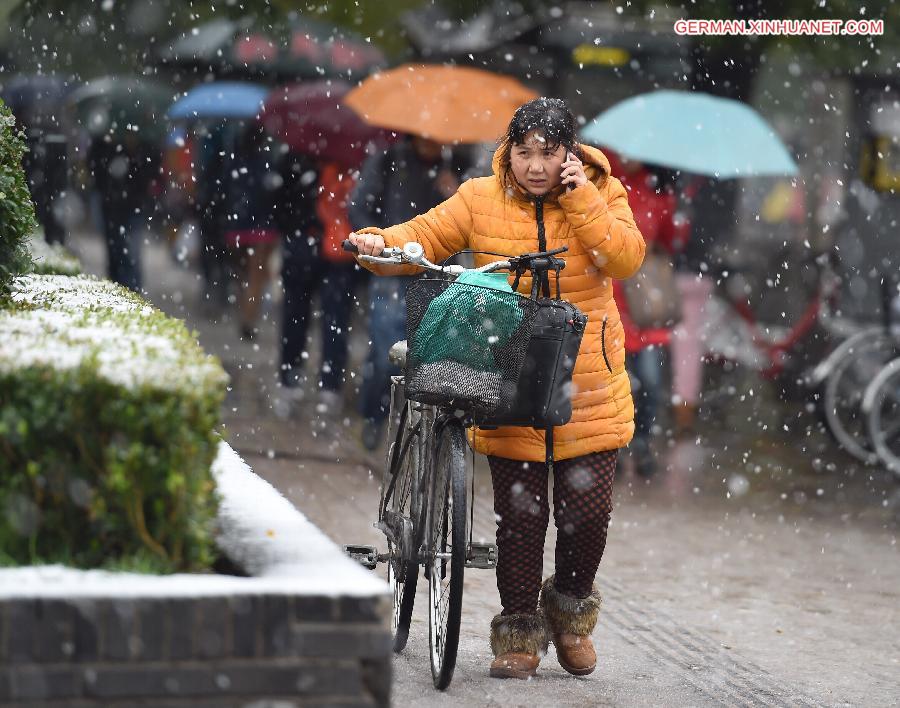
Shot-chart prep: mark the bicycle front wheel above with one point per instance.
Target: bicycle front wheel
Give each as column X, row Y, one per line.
column 446, row 550
column 882, row 402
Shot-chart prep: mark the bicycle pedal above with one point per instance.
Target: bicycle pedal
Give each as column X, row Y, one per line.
column 482, row 555
column 366, row 556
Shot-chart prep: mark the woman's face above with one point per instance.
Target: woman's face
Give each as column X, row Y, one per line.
column 536, row 167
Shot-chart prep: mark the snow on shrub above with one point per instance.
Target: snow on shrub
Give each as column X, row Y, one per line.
column 16, row 208
column 108, row 411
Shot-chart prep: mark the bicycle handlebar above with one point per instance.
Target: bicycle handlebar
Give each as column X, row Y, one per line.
column 412, row 253
column 349, row 246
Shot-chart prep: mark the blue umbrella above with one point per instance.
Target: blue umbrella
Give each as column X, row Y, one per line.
column 220, row 99
column 694, row 132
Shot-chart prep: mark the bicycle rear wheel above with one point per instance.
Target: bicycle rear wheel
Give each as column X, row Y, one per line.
column 844, row 393
column 397, row 511
column 446, row 550
column 883, row 406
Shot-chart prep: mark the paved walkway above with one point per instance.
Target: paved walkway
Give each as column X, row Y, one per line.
column 759, row 569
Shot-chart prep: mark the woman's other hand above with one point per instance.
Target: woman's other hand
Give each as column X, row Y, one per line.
column 368, row 244
column 573, row 172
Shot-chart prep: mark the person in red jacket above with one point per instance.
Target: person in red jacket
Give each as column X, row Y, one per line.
column 655, row 208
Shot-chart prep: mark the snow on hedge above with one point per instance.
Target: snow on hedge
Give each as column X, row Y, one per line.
column 63, row 322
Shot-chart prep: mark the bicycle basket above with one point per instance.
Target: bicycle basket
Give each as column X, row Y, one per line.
column 466, row 343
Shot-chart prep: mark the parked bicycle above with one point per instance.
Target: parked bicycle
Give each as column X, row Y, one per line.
column 849, row 378
column 736, row 337
column 881, row 408
column 735, row 333
column 426, row 503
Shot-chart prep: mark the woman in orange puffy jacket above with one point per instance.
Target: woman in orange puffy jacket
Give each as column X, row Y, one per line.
column 547, row 191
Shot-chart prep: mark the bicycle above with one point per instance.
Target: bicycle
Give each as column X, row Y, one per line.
column 425, row 510
column 736, row 334
column 737, row 339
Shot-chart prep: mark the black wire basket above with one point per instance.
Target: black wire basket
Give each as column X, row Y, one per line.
column 466, row 344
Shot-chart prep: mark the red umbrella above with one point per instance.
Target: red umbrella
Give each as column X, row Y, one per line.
column 311, row 119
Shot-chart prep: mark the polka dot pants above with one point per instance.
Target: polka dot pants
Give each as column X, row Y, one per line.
column 582, row 500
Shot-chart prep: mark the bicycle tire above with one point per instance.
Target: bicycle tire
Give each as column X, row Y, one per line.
column 883, row 396
column 446, row 522
column 843, row 393
column 402, row 574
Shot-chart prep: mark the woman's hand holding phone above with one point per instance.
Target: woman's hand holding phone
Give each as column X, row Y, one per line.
column 573, row 172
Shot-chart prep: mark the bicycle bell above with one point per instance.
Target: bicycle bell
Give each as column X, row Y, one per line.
column 413, row 252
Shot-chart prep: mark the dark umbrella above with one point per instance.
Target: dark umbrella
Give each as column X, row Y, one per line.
column 295, row 49
column 331, row 50
column 311, row 119
column 122, row 104
column 35, row 99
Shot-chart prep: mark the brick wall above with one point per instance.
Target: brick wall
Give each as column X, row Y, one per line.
column 234, row 650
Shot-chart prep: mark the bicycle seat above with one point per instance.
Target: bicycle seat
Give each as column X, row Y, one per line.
column 397, row 353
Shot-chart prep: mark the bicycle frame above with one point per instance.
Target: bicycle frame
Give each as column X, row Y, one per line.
column 430, row 423
column 765, row 348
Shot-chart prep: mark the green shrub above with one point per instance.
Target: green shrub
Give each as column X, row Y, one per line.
column 108, row 413
column 17, row 220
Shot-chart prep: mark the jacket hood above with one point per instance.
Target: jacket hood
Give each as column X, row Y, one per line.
column 596, row 167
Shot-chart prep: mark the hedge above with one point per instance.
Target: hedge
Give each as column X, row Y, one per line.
column 16, row 208
column 108, row 417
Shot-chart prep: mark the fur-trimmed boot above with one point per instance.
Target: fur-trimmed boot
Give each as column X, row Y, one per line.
column 570, row 621
column 518, row 643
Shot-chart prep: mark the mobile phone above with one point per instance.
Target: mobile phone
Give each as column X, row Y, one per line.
column 570, row 186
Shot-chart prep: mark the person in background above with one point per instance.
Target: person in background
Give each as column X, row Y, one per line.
column 178, row 190
column 250, row 232
column 46, row 170
column 410, row 178
column 124, row 170
column 695, row 284
column 312, row 217
column 210, row 204
column 655, row 208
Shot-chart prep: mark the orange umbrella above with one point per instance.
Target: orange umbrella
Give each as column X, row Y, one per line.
column 449, row 104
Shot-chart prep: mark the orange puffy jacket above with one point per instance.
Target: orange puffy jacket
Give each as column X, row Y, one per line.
column 595, row 222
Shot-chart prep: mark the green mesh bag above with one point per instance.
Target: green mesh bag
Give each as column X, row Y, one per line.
column 474, row 317
column 467, row 340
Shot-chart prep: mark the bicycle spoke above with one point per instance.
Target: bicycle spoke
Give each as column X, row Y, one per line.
column 445, row 605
